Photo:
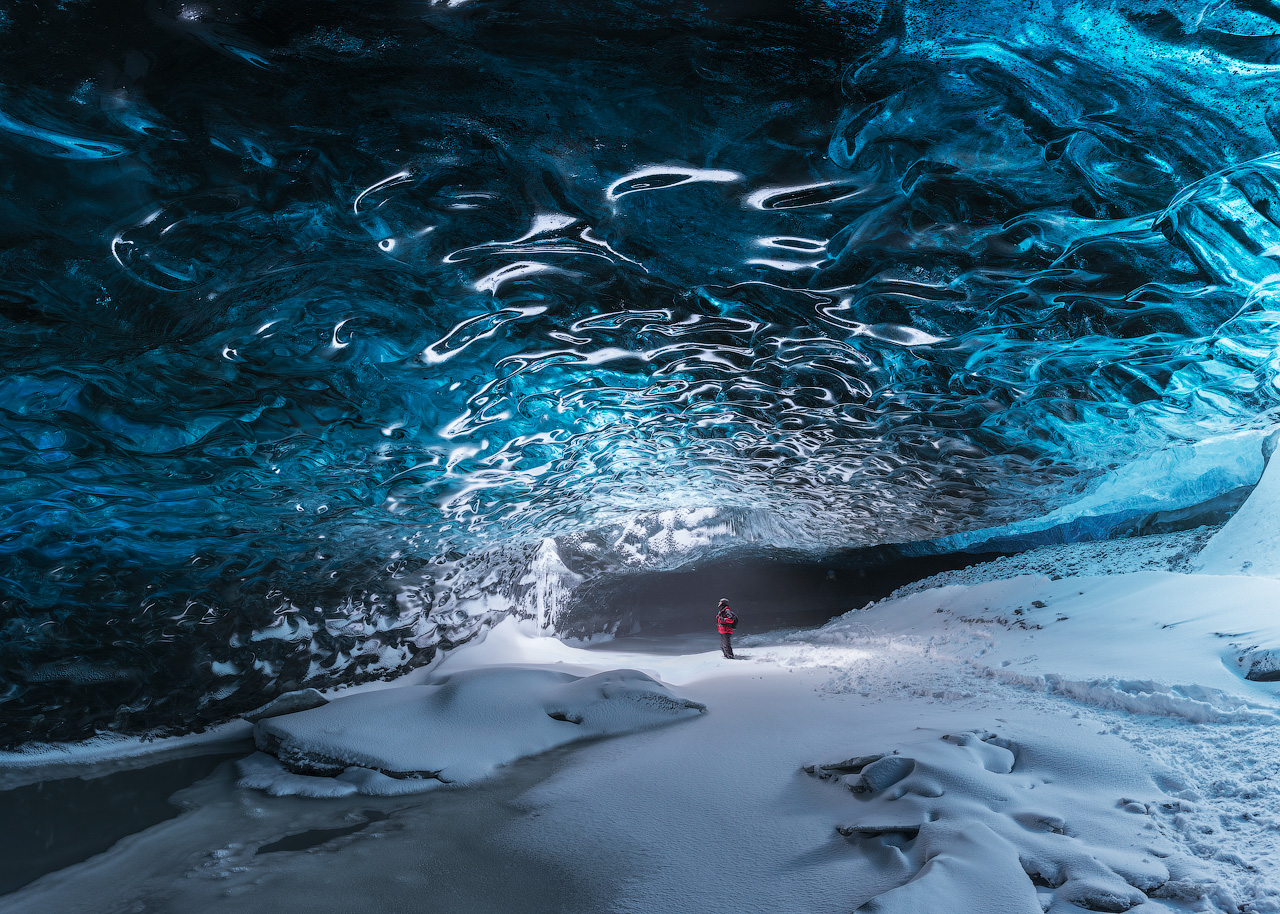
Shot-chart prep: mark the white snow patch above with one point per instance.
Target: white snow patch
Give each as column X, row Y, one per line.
column 1249, row 543
column 1169, row 629
column 454, row 731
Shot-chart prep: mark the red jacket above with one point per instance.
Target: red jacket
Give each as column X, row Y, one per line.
column 726, row 619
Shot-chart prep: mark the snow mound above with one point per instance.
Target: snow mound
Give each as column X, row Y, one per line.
column 1197, row 647
column 454, row 731
column 977, row 822
column 1248, row 543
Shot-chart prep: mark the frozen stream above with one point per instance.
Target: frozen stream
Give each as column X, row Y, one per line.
column 231, row 847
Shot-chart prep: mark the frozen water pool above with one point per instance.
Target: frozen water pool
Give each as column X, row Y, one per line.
column 56, row 823
column 449, row 851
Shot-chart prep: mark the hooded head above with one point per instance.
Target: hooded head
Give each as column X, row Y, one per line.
column 724, row 603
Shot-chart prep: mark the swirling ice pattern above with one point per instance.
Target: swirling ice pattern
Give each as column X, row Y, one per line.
column 304, row 302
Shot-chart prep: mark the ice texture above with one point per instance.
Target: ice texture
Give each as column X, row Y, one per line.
column 1178, row 481
column 456, row 731
column 319, row 320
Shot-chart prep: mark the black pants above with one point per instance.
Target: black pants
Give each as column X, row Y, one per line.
column 725, row 647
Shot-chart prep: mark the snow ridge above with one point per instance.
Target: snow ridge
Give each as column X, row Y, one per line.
column 1161, row 552
column 1191, row 703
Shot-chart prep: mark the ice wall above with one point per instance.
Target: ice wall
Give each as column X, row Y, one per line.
column 1177, row 485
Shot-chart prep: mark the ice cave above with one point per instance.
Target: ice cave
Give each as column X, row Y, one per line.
column 393, row 392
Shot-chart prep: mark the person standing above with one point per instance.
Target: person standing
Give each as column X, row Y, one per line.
column 726, row 619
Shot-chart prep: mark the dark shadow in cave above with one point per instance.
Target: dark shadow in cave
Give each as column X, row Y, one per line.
column 766, row 593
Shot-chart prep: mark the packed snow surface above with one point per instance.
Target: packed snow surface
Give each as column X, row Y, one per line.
column 1059, row 741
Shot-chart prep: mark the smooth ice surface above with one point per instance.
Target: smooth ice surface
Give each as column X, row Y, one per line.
column 453, row 731
column 320, row 320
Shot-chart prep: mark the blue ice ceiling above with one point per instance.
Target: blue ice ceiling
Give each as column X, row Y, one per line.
column 308, row 308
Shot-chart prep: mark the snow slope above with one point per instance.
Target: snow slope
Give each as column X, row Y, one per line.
column 1249, row 543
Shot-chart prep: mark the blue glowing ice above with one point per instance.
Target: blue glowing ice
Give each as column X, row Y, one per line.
column 318, row 320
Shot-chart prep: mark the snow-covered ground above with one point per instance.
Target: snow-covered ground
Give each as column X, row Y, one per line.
column 1057, row 741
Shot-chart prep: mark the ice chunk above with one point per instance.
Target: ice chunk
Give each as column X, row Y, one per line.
column 457, row 730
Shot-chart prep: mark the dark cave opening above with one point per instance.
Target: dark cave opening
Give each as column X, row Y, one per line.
column 766, row 592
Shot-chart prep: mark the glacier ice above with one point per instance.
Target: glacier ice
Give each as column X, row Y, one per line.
column 297, row 392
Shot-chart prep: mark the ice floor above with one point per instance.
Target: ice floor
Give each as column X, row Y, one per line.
column 1012, row 745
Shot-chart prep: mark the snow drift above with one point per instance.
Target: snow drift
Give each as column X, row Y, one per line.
column 455, row 731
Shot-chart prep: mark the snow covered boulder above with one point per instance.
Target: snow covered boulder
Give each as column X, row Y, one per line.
column 455, row 731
